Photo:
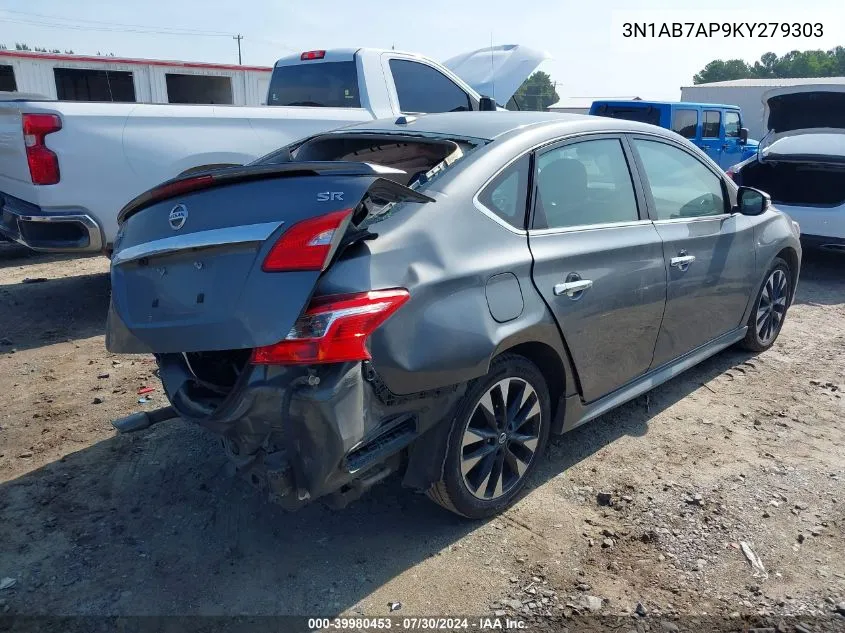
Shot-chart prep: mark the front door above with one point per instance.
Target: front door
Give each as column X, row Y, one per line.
column 711, row 134
column 598, row 260
column 732, row 147
column 709, row 251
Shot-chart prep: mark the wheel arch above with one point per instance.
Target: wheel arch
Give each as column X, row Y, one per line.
column 790, row 256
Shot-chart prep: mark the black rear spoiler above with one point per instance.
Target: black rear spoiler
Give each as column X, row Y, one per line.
column 391, row 189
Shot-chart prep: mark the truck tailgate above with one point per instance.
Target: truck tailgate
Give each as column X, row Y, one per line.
column 13, row 163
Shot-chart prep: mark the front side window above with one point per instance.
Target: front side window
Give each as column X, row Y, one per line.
column 712, row 123
column 584, row 183
column 421, row 88
column 685, row 122
column 506, row 194
column 732, row 124
column 681, row 186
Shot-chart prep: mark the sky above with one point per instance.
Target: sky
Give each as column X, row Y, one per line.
column 590, row 56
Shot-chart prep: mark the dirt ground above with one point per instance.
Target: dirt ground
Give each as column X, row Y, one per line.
column 638, row 516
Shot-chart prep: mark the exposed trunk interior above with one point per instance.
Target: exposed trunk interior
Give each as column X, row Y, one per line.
column 797, row 183
column 416, row 157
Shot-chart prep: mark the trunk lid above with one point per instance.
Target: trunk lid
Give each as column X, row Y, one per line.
column 812, row 109
column 187, row 270
column 497, row 71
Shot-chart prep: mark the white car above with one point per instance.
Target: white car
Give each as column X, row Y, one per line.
column 801, row 161
column 68, row 167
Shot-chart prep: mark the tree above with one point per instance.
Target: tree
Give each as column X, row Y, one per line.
column 38, row 49
column 537, row 92
column 816, row 63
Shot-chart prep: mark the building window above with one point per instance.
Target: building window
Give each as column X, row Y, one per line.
column 7, row 79
column 198, row 89
column 82, row 84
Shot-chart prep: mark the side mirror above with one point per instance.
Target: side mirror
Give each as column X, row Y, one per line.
column 743, row 135
column 750, row 201
column 487, row 104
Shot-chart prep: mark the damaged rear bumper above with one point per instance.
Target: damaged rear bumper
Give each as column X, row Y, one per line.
column 324, row 431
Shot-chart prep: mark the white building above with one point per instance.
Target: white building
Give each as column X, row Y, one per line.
column 101, row 78
column 747, row 94
column 581, row 105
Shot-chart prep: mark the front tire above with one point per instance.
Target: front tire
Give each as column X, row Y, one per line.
column 769, row 313
column 498, row 435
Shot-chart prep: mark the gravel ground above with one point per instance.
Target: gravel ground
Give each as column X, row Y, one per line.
column 642, row 520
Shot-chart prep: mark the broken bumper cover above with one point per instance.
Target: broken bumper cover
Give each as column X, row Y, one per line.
column 301, row 433
column 72, row 231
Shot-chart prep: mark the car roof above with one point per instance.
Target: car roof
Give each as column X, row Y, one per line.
column 491, row 125
column 682, row 104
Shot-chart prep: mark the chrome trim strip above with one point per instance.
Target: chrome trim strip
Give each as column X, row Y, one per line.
column 587, row 227
column 721, row 217
column 201, row 239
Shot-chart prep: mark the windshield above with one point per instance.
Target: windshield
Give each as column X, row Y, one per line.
column 647, row 114
column 317, row 85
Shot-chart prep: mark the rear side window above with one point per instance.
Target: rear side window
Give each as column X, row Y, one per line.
column 647, row 114
column 685, row 122
column 316, row 85
column 712, row 123
column 506, row 194
column 732, row 124
column 681, row 186
column 584, row 183
column 421, row 88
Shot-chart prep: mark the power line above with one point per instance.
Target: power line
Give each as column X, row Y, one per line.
column 55, row 18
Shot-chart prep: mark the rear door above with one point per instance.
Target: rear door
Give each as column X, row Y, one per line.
column 598, row 260
column 711, row 134
column 709, row 252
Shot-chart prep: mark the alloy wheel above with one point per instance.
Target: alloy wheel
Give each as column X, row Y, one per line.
column 500, row 439
column 772, row 307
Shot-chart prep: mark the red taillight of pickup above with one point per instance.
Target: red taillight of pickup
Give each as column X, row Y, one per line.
column 333, row 329
column 43, row 162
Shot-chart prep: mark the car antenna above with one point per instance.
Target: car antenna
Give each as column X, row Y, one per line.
column 492, row 74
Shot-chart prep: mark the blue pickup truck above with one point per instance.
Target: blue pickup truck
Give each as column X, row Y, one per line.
column 715, row 128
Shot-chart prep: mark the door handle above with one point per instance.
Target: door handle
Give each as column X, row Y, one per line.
column 682, row 262
column 572, row 288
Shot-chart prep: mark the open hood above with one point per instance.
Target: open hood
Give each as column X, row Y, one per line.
column 817, row 109
column 497, row 71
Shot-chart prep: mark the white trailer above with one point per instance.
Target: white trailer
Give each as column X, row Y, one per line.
column 118, row 79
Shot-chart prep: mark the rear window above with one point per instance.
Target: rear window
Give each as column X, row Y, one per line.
column 648, row 114
column 317, row 85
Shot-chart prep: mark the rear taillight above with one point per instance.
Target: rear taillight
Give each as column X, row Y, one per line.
column 334, row 329
column 43, row 162
column 308, row 55
column 307, row 245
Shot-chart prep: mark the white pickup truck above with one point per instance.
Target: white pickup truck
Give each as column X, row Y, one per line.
column 67, row 168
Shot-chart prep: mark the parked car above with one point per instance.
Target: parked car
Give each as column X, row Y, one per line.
column 801, row 162
column 67, row 167
column 437, row 295
column 716, row 129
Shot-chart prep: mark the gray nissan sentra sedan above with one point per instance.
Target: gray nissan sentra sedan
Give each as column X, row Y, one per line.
column 437, row 294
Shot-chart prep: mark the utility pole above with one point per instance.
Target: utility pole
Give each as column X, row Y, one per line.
column 238, row 37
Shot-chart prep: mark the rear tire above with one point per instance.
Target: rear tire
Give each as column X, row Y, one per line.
column 769, row 312
column 498, row 434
